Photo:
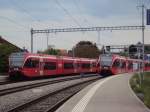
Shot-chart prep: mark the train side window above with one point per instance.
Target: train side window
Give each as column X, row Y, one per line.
column 68, row 66
column 116, row 63
column 78, row 65
column 123, row 64
column 93, row 64
column 31, row 63
column 50, row 66
column 130, row 65
column 85, row 65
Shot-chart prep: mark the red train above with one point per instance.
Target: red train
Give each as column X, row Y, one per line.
column 38, row 65
column 115, row 64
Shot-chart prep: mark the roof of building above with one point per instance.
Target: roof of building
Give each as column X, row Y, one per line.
column 3, row 41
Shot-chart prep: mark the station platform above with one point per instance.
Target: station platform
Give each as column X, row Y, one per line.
column 111, row 94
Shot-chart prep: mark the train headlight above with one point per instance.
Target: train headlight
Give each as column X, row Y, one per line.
column 106, row 68
column 16, row 69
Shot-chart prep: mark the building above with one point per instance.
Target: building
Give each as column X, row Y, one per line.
column 3, row 41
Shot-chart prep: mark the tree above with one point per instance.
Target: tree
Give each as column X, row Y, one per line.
column 5, row 51
column 50, row 51
column 86, row 49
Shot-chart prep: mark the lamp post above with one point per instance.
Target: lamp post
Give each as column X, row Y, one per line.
column 143, row 53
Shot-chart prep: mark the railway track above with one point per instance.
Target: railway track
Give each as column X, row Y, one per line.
column 30, row 86
column 51, row 101
column 4, row 80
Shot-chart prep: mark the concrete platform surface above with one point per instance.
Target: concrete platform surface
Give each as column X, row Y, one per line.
column 112, row 94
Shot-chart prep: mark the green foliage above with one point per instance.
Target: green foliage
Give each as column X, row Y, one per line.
column 144, row 88
column 124, row 54
column 5, row 51
column 50, row 51
column 86, row 49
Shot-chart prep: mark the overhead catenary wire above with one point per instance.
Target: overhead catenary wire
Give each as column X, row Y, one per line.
column 81, row 12
column 14, row 22
column 67, row 12
column 23, row 10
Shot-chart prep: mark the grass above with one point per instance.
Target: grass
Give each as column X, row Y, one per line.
column 143, row 89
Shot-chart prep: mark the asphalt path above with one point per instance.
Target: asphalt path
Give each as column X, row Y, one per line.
column 112, row 94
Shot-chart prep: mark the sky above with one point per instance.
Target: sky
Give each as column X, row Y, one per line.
column 17, row 17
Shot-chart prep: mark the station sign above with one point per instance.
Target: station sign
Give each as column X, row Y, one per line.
column 147, row 57
column 148, row 16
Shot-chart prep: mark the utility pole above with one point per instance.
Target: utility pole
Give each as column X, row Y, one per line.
column 98, row 38
column 31, row 40
column 143, row 28
column 47, row 35
column 141, row 77
column 73, row 51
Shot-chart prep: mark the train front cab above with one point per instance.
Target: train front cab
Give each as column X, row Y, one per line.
column 118, row 65
column 105, row 63
column 16, row 61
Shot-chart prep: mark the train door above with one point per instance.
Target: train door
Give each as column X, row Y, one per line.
column 60, row 66
column 50, row 67
column 130, row 66
column 41, row 71
column 75, row 66
column 116, row 66
column 68, row 66
column 123, row 66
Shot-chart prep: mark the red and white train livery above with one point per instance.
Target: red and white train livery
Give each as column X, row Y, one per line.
column 39, row 65
column 114, row 64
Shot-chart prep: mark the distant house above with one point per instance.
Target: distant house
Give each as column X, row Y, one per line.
column 6, row 48
column 3, row 41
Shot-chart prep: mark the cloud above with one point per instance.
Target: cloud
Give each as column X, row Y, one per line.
column 109, row 17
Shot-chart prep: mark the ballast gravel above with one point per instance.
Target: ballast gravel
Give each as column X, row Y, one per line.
column 9, row 101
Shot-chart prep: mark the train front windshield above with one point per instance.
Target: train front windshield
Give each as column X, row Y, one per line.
column 106, row 60
column 16, row 59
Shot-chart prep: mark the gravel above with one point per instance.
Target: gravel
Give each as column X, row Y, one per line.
column 7, row 86
column 51, row 101
column 9, row 101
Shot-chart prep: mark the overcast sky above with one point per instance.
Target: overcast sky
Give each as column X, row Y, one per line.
column 17, row 17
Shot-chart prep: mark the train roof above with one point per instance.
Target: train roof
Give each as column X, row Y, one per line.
column 26, row 54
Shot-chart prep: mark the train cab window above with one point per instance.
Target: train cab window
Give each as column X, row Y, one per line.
column 31, row 63
column 68, row 66
column 85, row 65
column 116, row 63
column 50, row 66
